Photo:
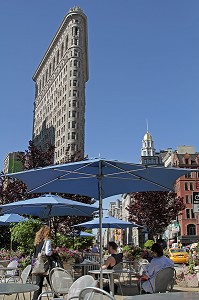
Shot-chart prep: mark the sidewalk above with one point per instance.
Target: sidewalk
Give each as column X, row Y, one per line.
column 133, row 290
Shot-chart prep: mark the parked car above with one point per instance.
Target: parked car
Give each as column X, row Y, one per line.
column 178, row 255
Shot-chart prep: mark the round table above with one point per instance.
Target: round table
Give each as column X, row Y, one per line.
column 16, row 288
column 85, row 266
column 107, row 272
column 165, row 296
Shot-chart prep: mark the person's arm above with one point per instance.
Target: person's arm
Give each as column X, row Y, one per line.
column 109, row 262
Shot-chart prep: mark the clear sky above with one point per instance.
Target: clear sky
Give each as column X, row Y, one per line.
column 143, row 65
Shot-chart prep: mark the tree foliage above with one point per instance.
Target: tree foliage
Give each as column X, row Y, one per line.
column 36, row 157
column 23, row 234
column 154, row 210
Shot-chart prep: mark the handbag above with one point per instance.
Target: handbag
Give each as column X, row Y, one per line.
column 41, row 265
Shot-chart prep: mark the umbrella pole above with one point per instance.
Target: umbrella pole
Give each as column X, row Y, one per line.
column 100, row 221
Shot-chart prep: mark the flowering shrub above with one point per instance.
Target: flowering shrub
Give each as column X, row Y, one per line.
column 132, row 253
column 23, row 260
column 66, row 254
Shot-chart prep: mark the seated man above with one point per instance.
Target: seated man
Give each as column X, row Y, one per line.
column 114, row 258
column 158, row 262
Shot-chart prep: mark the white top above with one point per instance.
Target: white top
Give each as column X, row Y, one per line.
column 157, row 264
column 48, row 248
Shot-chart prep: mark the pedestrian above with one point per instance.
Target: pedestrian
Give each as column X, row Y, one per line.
column 42, row 244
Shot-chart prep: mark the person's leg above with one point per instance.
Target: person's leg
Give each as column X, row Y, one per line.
column 39, row 282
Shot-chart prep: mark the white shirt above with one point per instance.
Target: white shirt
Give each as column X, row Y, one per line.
column 156, row 264
column 48, row 248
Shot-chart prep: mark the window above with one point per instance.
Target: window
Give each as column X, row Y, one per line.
column 187, row 199
column 191, row 229
column 66, row 43
column 186, row 186
column 75, row 83
column 188, row 175
column 62, row 49
column 192, row 214
column 53, row 63
column 50, row 69
column 191, row 186
column 73, row 135
column 187, row 213
column 57, row 56
column 73, row 113
column 186, row 161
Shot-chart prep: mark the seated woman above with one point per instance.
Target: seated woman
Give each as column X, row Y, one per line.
column 158, row 262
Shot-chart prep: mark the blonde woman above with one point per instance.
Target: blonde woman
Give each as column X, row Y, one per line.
column 42, row 244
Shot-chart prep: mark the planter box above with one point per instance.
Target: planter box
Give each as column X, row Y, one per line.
column 189, row 281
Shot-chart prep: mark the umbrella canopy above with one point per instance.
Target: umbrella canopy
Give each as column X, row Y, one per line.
column 100, row 178
column 48, row 206
column 11, row 218
column 107, row 222
column 86, row 234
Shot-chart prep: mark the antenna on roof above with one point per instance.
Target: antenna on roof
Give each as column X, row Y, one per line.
column 147, row 126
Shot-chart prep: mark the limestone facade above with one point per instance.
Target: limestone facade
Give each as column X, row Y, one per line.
column 59, row 106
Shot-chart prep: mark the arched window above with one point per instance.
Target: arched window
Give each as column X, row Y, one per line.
column 191, row 229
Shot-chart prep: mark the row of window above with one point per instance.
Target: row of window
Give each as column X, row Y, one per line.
column 55, row 62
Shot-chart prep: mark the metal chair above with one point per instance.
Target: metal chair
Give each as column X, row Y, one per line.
column 81, row 283
column 163, row 282
column 92, row 293
column 10, row 274
column 24, row 278
column 60, row 280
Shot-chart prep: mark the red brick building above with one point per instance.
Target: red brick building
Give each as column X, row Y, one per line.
column 185, row 186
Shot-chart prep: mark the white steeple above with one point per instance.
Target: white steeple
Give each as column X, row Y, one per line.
column 147, row 145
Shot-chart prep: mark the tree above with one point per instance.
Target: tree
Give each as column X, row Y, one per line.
column 154, row 210
column 23, row 234
column 36, row 157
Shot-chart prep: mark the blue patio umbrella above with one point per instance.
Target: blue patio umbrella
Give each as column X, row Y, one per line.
column 86, row 234
column 7, row 219
column 48, row 206
column 108, row 222
column 100, row 178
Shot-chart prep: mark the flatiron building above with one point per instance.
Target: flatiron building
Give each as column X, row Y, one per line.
column 60, row 78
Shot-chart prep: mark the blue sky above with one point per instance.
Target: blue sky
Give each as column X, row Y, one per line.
column 143, row 65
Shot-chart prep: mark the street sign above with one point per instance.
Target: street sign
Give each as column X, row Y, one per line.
column 195, row 202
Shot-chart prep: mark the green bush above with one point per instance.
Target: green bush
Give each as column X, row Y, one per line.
column 148, row 244
column 23, row 235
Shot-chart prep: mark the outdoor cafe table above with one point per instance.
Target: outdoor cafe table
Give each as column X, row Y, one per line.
column 166, row 296
column 110, row 275
column 17, row 288
column 85, row 266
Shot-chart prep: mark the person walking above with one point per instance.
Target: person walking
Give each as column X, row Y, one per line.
column 42, row 244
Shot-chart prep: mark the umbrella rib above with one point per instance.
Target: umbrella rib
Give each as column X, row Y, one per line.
column 138, row 177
